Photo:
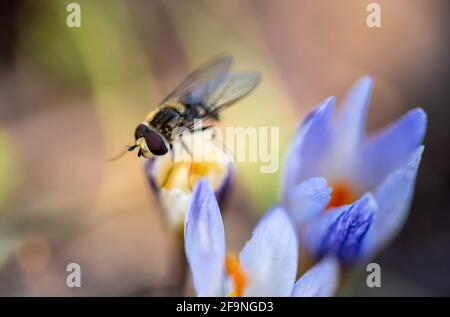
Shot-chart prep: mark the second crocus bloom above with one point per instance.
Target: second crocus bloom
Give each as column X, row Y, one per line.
column 349, row 193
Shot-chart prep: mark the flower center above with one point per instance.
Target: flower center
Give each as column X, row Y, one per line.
column 189, row 166
column 185, row 175
column 341, row 195
column 236, row 274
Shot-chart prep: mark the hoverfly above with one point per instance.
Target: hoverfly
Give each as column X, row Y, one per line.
column 202, row 95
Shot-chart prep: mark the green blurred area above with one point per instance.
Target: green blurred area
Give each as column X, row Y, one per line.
column 9, row 169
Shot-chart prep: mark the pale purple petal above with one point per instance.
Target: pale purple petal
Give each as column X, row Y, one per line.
column 350, row 131
column 352, row 115
column 319, row 281
column 310, row 145
column 269, row 258
column 205, row 242
column 341, row 231
column 391, row 148
column 394, row 197
column 307, row 199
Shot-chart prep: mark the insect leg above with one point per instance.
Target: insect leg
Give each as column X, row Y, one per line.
column 185, row 147
column 172, row 155
column 201, row 129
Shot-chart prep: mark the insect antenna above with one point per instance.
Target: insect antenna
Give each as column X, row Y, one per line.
column 127, row 148
column 131, row 147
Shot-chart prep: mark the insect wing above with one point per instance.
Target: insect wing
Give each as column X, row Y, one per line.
column 234, row 87
column 199, row 85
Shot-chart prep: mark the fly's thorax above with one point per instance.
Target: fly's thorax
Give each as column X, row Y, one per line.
column 178, row 106
column 164, row 120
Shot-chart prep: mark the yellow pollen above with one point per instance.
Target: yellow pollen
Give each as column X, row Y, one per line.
column 184, row 169
column 185, row 175
column 237, row 275
column 203, row 169
column 341, row 195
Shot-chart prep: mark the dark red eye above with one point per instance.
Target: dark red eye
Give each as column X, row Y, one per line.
column 141, row 131
column 155, row 142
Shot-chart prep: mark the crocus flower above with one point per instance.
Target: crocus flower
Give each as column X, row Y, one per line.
column 349, row 193
column 173, row 176
column 266, row 266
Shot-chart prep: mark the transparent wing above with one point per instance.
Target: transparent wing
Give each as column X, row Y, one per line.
column 202, row 83
column 236, row 86
column 227, row 91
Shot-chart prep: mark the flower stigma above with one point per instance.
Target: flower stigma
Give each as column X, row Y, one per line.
column 342, row 195
column 236, row 274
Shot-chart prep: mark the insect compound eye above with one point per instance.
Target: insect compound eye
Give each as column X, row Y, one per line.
column 155, row 142
column 141, row 131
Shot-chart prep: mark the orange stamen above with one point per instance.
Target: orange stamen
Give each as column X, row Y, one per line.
column 234, row 271
column 341, row 195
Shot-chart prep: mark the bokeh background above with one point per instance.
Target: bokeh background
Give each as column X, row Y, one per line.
column 70, row 97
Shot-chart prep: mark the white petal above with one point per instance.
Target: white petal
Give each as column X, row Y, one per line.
column 175, row 203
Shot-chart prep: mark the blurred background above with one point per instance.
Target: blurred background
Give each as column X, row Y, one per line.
column 70, row 97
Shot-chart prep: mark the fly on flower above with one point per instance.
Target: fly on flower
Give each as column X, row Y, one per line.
column 200, row 97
